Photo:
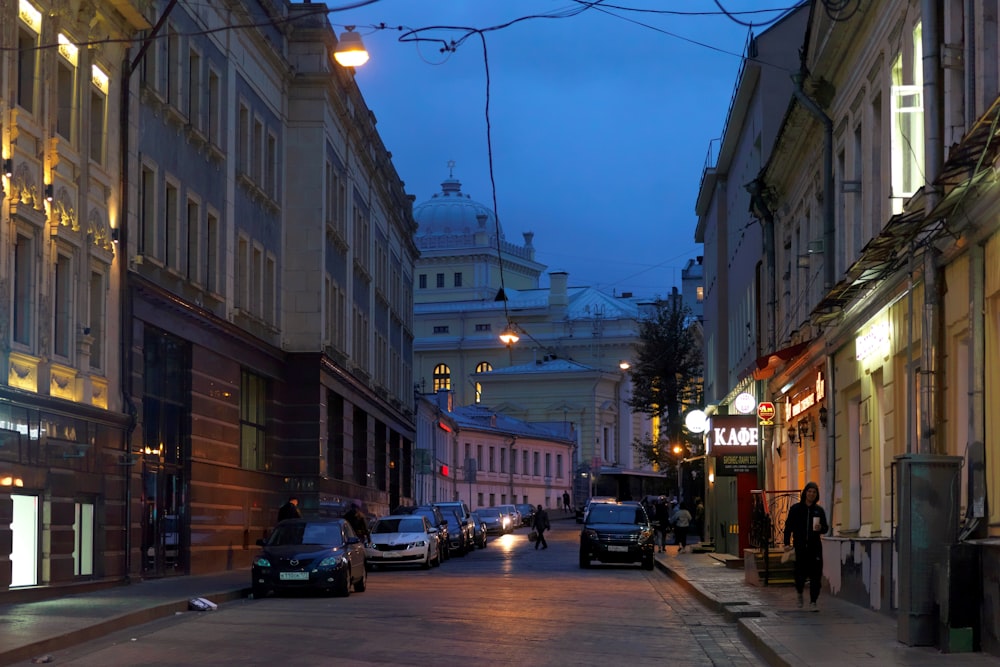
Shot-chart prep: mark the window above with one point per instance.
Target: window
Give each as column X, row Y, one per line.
column 173, row 67
column 513, row 460
column 193, row 257
column 171, row 251
column 525, row 469
column 257, row 276
column 97, row 300
column 699, row 293
column 503, row 459
column 440, row 280
column 211, row 271
column 908, row 120
column 253, row 421
column 147, row 212
column 559, row 466
column 98, row 114
column 27, row 56
column 214, row 108
column 242, row 274
column 66, row 65
column 24, row 289
column 194, row 90
column 442, row 377
column 548, row 464
column 243, row 139
column 536, row 468
column 83, row 539
column 479, row 457
column 271, row 167
column 458, row 279
column 482, row 367
column 270, row 284
column 493, row 465
column 257, row 152
column 484, row 327
column 62, row 306
column 423, row 281
column 442, row 329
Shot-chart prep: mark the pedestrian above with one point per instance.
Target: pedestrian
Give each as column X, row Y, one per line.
column 566, row 501
column 682, row 522
column 698, row 522
column 540, row 524
column 289, row 510
column 805, row 523
column 661, row 515
column 358, row 521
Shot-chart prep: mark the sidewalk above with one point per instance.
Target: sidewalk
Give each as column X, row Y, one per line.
column 33, row 629
column 841, row 633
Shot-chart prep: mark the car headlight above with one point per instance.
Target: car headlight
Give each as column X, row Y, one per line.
column 590, row 534
column 420, row 544
column 645, row 536
column 332, row 561
column 261, row 561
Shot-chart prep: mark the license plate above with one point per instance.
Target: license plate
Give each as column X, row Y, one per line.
column 294, row 576
column 617, row 548
column 392, row 554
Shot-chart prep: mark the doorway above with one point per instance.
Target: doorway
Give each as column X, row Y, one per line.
column 163, row 517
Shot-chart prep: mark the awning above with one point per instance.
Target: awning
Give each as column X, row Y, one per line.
column 766, row 366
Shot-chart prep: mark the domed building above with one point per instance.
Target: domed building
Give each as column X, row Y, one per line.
column 563, row 371
column 458, row 240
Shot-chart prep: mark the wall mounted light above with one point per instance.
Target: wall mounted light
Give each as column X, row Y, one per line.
column 49, row 191
column 805, row 429
column 624, row 365
column 116, row 234
column 8, row 167
column 823, row 416
column 793, row 434
column 350, row 51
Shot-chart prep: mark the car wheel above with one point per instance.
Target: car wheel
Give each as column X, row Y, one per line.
column 259, row 592
column 426, row 565
column 343, row 588
column 584, row 560
column 361, row 585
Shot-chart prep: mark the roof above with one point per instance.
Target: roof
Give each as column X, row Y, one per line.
column 485, row 419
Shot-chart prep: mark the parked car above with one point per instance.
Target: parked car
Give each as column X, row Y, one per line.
column 403, row 539
column 460, row 541
column 527, row 511
column 497, row 523
column 464, row 516
column 615, row 532
column 515, row 516
column 436, row 519
column 581, row 515
column 302, row 554
column 478, row 530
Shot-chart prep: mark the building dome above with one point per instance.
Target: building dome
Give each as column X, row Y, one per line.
column 451, row 213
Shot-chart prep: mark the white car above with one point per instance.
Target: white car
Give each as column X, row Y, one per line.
column 403, row 539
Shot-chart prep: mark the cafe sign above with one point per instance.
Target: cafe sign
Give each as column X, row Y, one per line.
column 733, row 441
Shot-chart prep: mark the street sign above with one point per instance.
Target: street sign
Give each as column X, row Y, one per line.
column 765, row 411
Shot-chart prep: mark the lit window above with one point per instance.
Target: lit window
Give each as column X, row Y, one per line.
column 907, row 120
column 442, row 377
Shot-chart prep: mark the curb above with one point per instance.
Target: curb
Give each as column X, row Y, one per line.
column 108, row 626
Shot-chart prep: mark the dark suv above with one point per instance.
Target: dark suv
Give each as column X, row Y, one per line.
column 617, row 533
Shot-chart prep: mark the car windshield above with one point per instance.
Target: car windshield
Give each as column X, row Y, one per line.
column 489, row 513
column 616, row 514
column 399, row 525
column 326, row 534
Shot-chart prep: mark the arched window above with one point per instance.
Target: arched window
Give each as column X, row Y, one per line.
column 482, row 367
column 442, row 377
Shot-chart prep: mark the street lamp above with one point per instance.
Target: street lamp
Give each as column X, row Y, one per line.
column 509, row 336
column 350, row 51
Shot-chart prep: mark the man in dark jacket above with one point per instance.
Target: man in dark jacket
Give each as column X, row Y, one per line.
column 541, row 524
column 805, row 523
column 358, row 521
column 290, row 510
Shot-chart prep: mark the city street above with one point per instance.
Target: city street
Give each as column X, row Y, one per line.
column 507, row 604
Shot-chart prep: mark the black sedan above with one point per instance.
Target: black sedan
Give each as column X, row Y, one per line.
column 310, row 554
column 617, row 533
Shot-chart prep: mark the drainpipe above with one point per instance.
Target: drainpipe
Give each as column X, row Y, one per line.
column 933, row 151
column 829, row 230
column 764, row 213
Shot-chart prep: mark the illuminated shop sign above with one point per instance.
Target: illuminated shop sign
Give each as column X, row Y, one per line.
column 801, row 401
column 874, row 342
column 732, row 441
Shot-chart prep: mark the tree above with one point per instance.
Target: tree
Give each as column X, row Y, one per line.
column 666, row 379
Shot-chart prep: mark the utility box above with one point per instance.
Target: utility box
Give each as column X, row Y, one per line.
column 929, row 499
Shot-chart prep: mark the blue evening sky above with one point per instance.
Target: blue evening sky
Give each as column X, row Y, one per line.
column 600, row 126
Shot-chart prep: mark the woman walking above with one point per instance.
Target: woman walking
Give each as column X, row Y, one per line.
column 805, row 523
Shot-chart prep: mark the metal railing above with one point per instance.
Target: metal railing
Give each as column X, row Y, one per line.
column 767, row 522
